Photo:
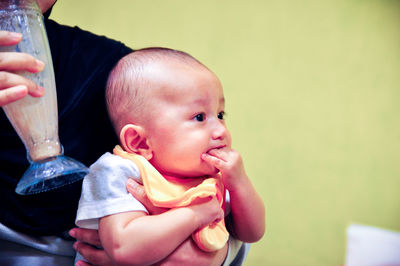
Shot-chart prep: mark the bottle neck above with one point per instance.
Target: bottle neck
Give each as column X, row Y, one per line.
column 14, row 5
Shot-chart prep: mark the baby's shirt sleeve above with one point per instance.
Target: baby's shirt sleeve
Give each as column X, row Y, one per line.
column 104, row 190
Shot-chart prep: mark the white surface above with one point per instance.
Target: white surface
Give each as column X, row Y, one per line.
column 371, row 246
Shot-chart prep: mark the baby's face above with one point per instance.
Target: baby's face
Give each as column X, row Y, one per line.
column 186, row 119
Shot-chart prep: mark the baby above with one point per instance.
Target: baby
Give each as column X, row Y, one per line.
column 168, row 109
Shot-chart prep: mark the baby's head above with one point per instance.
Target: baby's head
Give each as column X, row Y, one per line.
column 137, row 75
column 168, row 107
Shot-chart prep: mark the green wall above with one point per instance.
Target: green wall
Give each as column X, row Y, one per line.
column 312, row 89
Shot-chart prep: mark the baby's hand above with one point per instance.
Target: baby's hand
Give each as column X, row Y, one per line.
column 207, row 211
column 229, row 163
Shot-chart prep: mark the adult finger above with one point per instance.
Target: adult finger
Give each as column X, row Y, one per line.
column 82, row 263
column 138, row 192
column 92, row 254
column 9, row 80
column 89, row 236
column 14, row 61
column 9, row 38
column 12, row 94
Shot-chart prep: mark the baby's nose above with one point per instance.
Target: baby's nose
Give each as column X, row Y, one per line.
column 219, row 130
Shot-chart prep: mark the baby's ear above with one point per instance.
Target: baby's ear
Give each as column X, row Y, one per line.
column 133, row 140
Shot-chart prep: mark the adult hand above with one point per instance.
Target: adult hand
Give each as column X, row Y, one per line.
column 87, row 241
column 137, row 191
column 187, row 253
column 13, row 86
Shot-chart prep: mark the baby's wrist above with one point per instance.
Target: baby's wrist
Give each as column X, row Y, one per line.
column 197, row 215
column 235, row 186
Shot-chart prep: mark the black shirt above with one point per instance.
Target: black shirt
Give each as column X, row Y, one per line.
column 81, row 62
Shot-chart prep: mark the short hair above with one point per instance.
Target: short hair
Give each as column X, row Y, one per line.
column 126, row 82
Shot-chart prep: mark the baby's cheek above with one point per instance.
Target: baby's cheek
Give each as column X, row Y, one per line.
column 229, row 140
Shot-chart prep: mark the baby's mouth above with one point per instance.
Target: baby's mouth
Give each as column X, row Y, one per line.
column 216, row 148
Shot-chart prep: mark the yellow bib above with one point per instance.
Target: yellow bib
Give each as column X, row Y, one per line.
column 174, row 193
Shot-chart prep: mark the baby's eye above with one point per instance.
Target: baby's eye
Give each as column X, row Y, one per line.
column 200, row 117
column 221, row 115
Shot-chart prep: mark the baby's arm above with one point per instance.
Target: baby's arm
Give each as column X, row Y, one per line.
column 134, row 238
column 248, row 212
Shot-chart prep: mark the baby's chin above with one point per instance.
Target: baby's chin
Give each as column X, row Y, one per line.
column 211, row 171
